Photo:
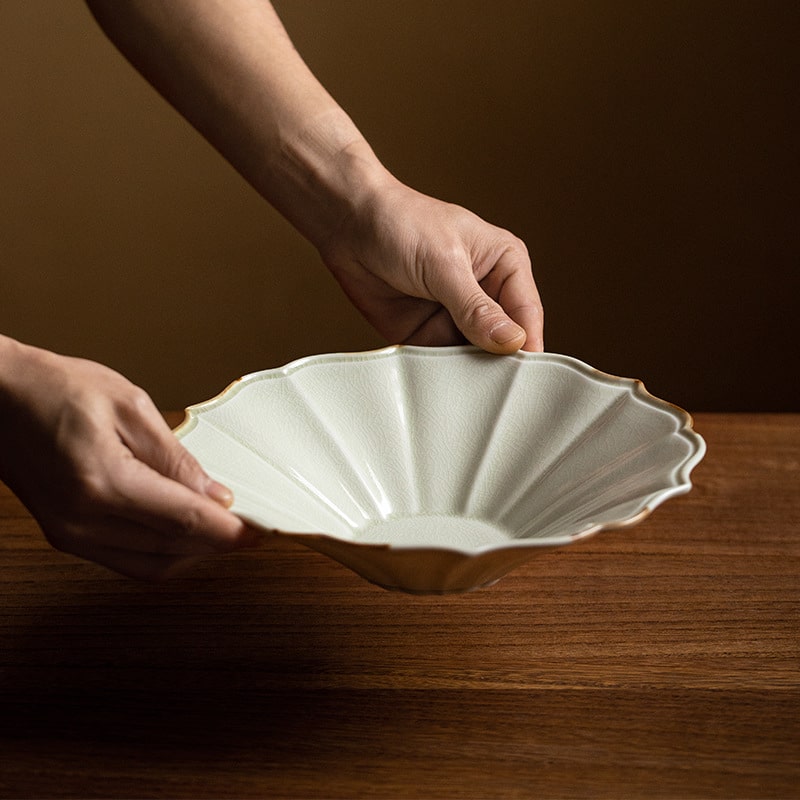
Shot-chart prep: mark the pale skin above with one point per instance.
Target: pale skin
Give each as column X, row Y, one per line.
column 106, row 479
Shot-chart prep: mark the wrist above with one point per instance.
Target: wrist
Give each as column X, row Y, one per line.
column 324, row 175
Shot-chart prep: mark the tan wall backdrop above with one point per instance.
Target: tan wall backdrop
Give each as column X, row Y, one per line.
column 645, row 151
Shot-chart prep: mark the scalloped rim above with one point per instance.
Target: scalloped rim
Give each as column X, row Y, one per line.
column 686, row 429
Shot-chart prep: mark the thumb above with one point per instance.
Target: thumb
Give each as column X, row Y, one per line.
column 154, row 444
column 184, row 468
column 484, row 322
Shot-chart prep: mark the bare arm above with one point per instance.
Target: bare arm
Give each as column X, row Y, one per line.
column 420, row 270
column 86, row 450
column 229, row 68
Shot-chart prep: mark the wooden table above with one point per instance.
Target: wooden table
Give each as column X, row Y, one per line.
column 657, row 661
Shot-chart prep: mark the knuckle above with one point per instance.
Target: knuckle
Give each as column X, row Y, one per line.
column 448, row 256
column 92, row 493
column 95, row 489
column 131, row 403
column 452, row 252
column 514, row 243
column 533, row 307
column 477, row 309
column 190, row 522
column 184, row 462
column 139, row 401
column 514, row 253
column 184, row 467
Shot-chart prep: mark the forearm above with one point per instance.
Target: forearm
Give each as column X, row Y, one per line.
column 422, row 271
column 229, row 67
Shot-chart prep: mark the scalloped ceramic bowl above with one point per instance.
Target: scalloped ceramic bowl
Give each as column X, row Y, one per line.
column 441, row 469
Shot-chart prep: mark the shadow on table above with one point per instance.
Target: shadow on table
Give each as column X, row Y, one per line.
column 282, row 673
column 281, row 653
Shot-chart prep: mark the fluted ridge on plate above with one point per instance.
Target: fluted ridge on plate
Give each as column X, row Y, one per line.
column 542, row 444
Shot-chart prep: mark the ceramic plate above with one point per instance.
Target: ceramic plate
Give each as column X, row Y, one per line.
column 441, row 469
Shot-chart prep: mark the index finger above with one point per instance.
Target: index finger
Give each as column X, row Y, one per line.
column 519, row 298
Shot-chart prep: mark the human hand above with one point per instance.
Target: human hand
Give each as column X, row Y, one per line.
column 96, row 465
column 427, row 272
column 420, row 270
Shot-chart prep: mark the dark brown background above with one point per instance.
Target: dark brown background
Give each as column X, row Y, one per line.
column 646, row 152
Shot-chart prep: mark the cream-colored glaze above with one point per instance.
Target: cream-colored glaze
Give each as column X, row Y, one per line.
column 440, row 469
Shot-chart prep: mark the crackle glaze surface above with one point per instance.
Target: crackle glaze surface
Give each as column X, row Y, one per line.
column 440, row 469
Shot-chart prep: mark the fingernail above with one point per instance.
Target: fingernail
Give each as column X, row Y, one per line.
column 221, row 494
column 505, row 332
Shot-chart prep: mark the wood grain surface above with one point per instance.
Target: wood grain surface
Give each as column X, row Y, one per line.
column 658, row 661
